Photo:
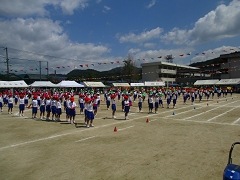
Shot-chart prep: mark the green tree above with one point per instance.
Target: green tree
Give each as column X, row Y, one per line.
column 129, row 70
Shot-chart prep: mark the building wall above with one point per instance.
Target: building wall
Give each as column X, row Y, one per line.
column 161, row 71
column 149, row 73
column 233, row 67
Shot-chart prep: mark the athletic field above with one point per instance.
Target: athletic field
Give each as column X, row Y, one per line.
column 189, row 142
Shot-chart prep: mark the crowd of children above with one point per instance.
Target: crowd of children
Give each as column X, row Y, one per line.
column 50, row 104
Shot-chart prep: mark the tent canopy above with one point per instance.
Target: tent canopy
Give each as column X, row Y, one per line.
column 120, row 84
column 199, row 82
column 229, row 81
column 69, row 84
column 93, row 84
column 206, row 82
column 157, row 83
column 136, row 84
column 13, row 84
column 42, row 84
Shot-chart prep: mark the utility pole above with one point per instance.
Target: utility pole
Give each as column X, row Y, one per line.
column 40, row 70
column 7, row 61
column 47, row 71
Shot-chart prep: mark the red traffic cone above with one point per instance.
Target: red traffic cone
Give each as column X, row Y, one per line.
column 147, row 121
column 115, row 129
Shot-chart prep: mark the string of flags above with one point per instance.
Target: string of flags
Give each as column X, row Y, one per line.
column 120, row 62
column 58, row 67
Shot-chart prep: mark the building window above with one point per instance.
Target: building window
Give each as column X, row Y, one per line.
column 166, row 75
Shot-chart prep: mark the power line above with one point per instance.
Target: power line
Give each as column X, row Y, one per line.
column 25, row 59
column 47, row 55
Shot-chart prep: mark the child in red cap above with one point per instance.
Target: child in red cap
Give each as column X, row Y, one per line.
column 126, row 107
column 34, row 105
column 59, row 108
column 72, row 110
column 89, row 112
column 21, row 105
column 10, row 103
column 114, row 108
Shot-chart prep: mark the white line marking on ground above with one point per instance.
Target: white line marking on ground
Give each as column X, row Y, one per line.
column 204, row 122
column 85, row 139
column 234, row 122
column 37, row 140
column 184, row 112
column 125, row 128
column 222, row 114
column 208, row 111
column 77, row 131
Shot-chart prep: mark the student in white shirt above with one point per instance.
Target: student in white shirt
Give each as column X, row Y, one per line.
column 59, row 109
column 34, row 105
column 89, row 112
column 72, row 110
column 21, row 105
column 10, row 103
column 114, row 107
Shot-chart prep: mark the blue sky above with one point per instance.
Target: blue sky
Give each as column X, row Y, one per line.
column 100, row 34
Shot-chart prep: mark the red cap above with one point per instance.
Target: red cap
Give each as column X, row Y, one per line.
column 113, row 96
column 87, row 99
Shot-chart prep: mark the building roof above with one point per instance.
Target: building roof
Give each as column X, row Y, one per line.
column 93, row 84
column 168, row 64
column 13, row 84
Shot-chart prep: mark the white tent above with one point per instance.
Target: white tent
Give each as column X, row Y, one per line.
column 199, row 82
column 229, row 81
column 42, row 84
column 136, row 84
column 13, row 84
column 120, row 84
column 93, row 84
column 69, row 84
column 211, row 82
column 206, row 82
column 157, row 83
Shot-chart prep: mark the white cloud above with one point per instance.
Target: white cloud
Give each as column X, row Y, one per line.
column 68, row 6
column 177, row 36
column 213, row 53
column 45, row 37
column 107, row 8
column 24, row 8
column 152, row 55
column 152, row 3
column 68, row 22
column 144, row 36
column 133, row 51
column 221, row 23
column 149, row 45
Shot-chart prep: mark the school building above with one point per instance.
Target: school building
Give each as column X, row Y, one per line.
column 163, row 71
column 226, row 66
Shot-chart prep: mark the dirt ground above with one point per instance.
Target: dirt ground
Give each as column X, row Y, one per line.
column 189, row 142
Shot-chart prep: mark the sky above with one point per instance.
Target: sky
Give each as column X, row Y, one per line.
column 63, row 35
